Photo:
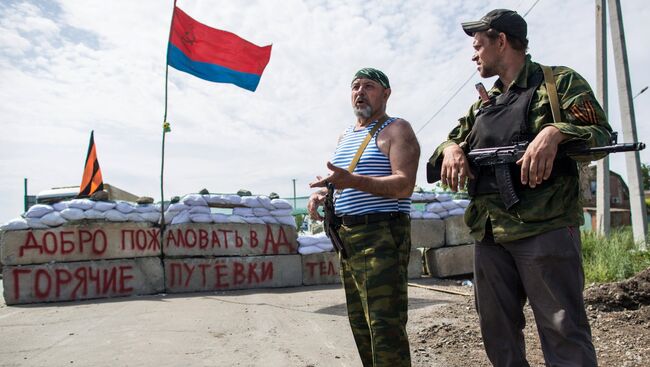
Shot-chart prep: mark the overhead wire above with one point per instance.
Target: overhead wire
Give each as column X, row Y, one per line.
column 462, row 85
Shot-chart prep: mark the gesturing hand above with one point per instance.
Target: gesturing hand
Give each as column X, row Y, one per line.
column 340, row 178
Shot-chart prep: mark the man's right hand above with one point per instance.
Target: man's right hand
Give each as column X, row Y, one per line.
column 316, row 199
column 455, row 168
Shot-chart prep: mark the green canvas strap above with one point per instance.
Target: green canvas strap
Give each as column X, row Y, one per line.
column 365, row 142
column 551, row 89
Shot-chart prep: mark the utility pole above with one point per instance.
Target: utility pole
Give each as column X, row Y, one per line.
column 632, row 160
column 603, row 215
column 294, row 193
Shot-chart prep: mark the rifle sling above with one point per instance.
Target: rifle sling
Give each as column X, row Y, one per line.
column 551, row 89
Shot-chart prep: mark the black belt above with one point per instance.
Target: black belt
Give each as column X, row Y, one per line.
column 354, row 220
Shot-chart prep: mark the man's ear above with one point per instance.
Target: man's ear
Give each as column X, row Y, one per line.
column 386, row 93
column 503, row 39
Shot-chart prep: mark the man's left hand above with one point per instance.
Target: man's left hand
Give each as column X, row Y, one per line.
column 537, row 161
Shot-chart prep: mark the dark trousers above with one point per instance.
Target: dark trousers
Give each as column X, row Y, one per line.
column 546, row 269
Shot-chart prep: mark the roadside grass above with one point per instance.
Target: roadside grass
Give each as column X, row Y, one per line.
column 612, row 259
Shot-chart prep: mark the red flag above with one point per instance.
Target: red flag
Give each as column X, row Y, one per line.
column 91, row 181
column 215, row 55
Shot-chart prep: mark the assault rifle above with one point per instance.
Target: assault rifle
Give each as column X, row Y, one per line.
column 502, row 158
column 331, row 223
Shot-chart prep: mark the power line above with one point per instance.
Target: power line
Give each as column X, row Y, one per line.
column 462, row 85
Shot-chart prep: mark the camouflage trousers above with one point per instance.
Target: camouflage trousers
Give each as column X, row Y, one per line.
column 375, row 279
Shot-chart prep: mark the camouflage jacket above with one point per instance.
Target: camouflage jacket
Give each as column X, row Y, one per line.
column 557, row 203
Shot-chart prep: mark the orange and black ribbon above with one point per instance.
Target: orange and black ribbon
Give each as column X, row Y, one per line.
column 91, row 181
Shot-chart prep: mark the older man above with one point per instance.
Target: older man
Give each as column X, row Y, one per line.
column 531, row 250
column 373, row 203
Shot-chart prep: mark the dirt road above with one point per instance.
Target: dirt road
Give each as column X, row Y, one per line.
column 304, row 326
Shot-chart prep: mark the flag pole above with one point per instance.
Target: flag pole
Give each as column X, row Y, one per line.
column 165, row 129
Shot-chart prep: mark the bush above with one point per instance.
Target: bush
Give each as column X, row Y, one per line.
column 612, row 259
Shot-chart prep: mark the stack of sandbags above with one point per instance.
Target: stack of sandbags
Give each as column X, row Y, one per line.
column 195, row 208
column 313, row 244
column 43, row 216
column 438, row 206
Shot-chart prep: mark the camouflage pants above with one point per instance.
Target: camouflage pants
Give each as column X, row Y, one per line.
column 375, row 280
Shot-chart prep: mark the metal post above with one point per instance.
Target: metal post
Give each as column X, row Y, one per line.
column 26, row 202
column 632, row 160
column 603, row 215
column 294, row 193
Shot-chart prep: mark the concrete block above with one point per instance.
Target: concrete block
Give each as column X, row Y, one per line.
column 456, row 231
column 80, row 242
column 82, row 280
column 450, row 261
column 427, row 233
column 321, row 268
column 416, row 264
column 229, row 239
column 225, row 273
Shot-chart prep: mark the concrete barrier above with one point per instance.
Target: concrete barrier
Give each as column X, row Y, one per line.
column 456, row 231
column 225, row 273
column 450, row 261
column 229, row 239
column 320, row 268
column 82, row 280
column 92, row 241
column 427, row 233
column 416, row 265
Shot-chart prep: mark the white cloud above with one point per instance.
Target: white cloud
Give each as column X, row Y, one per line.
column 73, row 66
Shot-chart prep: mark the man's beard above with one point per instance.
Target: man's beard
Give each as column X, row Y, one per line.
column 363, row 112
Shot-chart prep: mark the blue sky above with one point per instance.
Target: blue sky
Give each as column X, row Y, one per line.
column 74, row 66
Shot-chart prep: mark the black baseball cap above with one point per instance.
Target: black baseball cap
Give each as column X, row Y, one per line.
column 503, row 20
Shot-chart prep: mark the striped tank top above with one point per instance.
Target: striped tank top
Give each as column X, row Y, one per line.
column 372, row 163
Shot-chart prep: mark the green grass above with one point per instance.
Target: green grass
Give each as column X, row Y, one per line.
column 612, row 259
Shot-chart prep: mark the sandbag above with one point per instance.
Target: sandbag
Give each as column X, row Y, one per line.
column 36, row 223
column 115, row 215
column 103, row 206
column 94, row 214
column 53, row 219
column 83, row 204
column 73, row 214
column 15, row 224
column 38, row 210
column 281, row 204
column 201, row 217
column 194, row 199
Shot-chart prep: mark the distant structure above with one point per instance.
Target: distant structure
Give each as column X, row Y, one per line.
column 619, row 200
column 57, row 194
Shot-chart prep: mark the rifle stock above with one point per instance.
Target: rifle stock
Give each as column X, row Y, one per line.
column 331, row 222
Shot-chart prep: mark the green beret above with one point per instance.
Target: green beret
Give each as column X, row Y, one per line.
column 372, row 74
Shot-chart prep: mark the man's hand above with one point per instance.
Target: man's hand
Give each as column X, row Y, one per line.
column 455, row 168
column 537, row 161
column 316, row 199
column 340, row 178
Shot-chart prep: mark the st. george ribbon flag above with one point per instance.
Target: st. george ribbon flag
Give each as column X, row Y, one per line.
column 91, row 180
column 213, row 54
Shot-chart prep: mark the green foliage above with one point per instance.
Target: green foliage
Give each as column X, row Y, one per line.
column 612, row 259
column 300, row 218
